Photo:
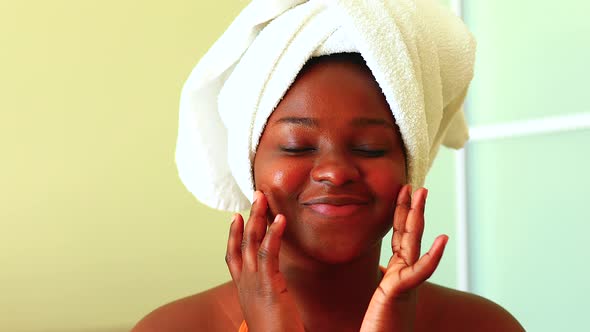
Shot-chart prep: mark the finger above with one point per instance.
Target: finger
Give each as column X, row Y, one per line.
column 399, row 217
column 233, row 254
column 254, row 232
column 414, row 228
column 426, row 265
column 268, row 254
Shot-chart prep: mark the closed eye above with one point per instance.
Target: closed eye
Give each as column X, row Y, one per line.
column 372, row 153
column 296, row 150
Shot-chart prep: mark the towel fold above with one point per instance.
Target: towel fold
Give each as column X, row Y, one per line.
column 421, row 55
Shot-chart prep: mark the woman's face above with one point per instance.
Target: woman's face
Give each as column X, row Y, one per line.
column 331, row 160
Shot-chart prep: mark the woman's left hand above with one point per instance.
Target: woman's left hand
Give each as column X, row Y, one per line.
column 393, row 305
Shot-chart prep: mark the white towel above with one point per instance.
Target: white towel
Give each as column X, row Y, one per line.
column 421, row 55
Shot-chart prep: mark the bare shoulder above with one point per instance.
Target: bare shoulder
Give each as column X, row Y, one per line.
column 452, row 310
column 216, row 309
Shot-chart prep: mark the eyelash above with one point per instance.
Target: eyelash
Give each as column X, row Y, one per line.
column 365, row 152
column 370, row 153
column 296, row 150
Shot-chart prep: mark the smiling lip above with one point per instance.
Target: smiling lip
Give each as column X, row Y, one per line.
column 336, row 206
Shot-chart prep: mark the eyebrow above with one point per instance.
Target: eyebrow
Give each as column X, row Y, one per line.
column 357, row 122
column 307, row 122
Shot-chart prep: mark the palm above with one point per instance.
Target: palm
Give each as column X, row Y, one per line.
column 393, row 305
column 406, row 270
column 253, row 261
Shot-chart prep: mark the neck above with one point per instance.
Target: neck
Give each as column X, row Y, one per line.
column 332, row 294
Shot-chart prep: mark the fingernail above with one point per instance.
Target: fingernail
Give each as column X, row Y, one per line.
column 255, row 196
column 276, row 218
column 233, row 218
column 445, row 239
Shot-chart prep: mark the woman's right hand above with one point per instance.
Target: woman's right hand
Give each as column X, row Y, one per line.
column 253, row 261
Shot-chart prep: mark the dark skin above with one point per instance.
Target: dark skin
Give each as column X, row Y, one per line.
column 330, row 172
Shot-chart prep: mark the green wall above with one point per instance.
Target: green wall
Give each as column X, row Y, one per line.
column 532, row 59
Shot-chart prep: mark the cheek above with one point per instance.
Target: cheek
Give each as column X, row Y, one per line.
column 387, row 181
column 272, row 176
column 281, row 182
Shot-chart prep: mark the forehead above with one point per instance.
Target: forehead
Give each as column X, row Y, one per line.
column 334, row 88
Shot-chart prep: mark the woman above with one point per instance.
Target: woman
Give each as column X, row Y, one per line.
column 330, row 159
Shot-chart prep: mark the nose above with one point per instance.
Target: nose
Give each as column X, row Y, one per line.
column 335, row 169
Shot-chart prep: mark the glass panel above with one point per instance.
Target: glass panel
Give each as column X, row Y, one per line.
column 529, row 226
column 532, row 59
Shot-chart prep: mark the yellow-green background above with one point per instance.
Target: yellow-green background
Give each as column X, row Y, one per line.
column 96, row 230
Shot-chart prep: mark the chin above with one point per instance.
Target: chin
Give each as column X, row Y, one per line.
column 339, row 252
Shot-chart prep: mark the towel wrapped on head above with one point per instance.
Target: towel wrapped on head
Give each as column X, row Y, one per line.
column 421, row 55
